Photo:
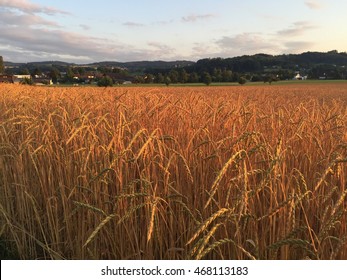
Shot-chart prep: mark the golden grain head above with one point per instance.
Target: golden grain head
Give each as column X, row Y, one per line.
column 174, row 172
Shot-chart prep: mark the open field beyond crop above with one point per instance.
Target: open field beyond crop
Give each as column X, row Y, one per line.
column 174, row 173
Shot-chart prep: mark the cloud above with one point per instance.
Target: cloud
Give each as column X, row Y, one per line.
column 163, row 22
column 298, row 28
column 39, row 44
column 247, row 43
column 314, row 5
column 15, row 19
column 35, row 41
column 253, row 43
column 194, row 18
column 160, row 50
column 25, row 13
column 133, row 24
column 29, row 7
column 297, row 46
column 25, row 32
column 85, row 27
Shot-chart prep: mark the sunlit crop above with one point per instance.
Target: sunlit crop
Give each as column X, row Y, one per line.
column 239, row 172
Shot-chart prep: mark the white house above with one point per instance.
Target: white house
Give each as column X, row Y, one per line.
column 20, row 78
column 299, row 77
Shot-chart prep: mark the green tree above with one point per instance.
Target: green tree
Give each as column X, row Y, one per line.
column 27, row 81
column 235, row 77
column 183, row 76
column 104, row 70
column 105, row 81
column 81, row 70
column 149, row 78
column 25, row 71
column 2, row 66
column 193, row 77
column 256, row 78
column 139, row 80
column 69, row 75
column 159, row 78
column 227, row 75
column 206, row 78
column 173, row 75
column 217, row 75
column 36, row 72
column 270, row 78
column 242, row 80
column 167, row 80
column 54, row 74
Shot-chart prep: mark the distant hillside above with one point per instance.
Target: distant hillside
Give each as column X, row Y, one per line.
column 144, row 65
column 313, row 65
column 258, row 62
column 136, row 66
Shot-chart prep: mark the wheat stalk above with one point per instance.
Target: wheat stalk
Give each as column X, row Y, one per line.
column 202, row 228
column 98, row 228
column 221, row 174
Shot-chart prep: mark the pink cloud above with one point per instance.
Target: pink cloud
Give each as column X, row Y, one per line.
column 29, row 7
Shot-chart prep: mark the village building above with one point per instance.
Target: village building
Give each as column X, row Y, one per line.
column 6, row 79
column 42, row 81
column 299, row 77
column 17, row 79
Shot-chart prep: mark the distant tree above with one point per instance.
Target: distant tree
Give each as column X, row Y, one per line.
column 2, row 66
column 206, row 78
column 105, row 81
column 25, row 71
column 121, row 71
column 167, row 80
column 69, row 74
column 149, row 78
column 54, row 74
column 193, row 77
column 183, row 76
column 173, row 75
column 270, row 78
column 256, row 78
column 285, row 74
column 227, row 75
column 242, row 80
column 81, row 70
column 27, row 81
column 159, row 78
column 36, row 72
column 104, row 70
column 235, row 77
column 139, row 80
column 217, row 75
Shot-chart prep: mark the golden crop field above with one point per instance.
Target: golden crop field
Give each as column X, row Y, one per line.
column 174, row 173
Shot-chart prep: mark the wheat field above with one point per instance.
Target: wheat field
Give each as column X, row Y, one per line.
column 242, row 172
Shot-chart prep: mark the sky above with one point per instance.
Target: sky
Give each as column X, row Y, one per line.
column 84, row 31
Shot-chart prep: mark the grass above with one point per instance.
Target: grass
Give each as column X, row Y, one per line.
column 216, row 84
column 243, row 172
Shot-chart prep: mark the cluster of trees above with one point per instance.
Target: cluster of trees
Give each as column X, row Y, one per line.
column 259, row 62
column 254, row 68
column 259, row 67
column 2, row 66
column 182, row 76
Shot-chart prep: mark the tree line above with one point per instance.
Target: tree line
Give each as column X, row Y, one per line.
column 252, row 68
column 260, row 67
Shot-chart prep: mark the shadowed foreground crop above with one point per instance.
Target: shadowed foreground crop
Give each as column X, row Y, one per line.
column 174, row 173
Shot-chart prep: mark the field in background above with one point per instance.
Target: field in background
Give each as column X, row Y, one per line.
column 174, row 173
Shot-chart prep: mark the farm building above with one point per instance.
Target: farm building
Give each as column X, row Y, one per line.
column 299, row 77
column 42, row 81
column 6, row 79
column 20, row 78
